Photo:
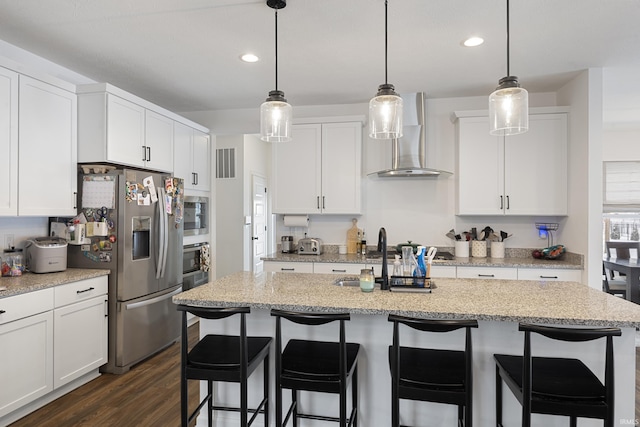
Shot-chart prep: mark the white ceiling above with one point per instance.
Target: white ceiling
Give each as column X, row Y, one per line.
column 184, row 54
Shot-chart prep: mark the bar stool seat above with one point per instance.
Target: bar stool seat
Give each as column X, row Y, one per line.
column 432, row 375
column 317, row 366
column 224, row 358
column 555, row 385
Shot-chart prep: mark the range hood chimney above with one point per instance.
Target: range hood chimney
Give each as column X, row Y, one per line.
column 409, row 153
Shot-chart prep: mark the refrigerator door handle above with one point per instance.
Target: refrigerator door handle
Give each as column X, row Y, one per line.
column 165, row 219
column 161, row 230
column 150, row 301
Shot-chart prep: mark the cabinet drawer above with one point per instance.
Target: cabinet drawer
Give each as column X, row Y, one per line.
column 338, row 268
column 549, row 274
column 487, row 273
column 288, row 267
column 25, row 305
column 80, row 291
column 443, row 271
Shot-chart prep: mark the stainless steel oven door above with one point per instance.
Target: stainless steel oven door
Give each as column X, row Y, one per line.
column 195, row 279
column 193, row 273
column 196, row 215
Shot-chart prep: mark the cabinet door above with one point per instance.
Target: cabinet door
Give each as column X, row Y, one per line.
column 26, row 361
column 288, row 267
column 183, row 154
column 487, row 273
column 201, row 160
column 297, row 171
column 80, row 333
column 158, row 142
column 47, row 165
column 125, row 132
column 549, row 274
column 341, row 168
column 338, row 268
column 9, row 142
column 480, row 170
column 536, row 167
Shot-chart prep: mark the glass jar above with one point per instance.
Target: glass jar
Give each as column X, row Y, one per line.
column 12, row 262
column 367, row 280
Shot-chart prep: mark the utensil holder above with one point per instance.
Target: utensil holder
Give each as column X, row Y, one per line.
column 461, row 248
column 479, row 248
column 497, row 249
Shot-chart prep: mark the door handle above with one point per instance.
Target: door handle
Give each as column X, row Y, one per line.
column 85, row 290
column 486, row 275
column 318, row 202
column 254, row 238
column 501, row 202
column 144, row 153
column 149, row 154
column 2, row 311
column 323, row 202
column 507, row 202
column 548, row 277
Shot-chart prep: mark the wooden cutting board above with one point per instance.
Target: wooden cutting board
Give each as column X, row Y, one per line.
column 353, row 235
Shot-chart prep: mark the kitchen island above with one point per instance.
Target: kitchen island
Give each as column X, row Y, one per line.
column 498, row 305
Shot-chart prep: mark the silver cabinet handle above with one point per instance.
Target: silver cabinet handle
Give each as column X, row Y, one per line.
column 486, row 275
column 85, row 290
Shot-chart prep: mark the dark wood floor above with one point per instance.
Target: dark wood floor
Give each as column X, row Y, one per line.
column 148, row 395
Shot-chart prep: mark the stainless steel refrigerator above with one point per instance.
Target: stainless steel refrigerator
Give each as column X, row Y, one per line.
column 134, row 227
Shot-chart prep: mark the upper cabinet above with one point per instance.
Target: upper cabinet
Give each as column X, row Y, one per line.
column 523, row 174
column 191, row 157
column 9, row 142
column 47, row 170
column 319, row 170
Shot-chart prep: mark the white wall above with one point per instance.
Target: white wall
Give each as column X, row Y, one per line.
column 584, row 223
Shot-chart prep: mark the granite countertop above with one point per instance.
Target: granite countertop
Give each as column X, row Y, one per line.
column 30, row 282
column 490, row 300
column 570, row 262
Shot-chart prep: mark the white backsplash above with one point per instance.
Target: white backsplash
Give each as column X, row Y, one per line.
column 22, row 228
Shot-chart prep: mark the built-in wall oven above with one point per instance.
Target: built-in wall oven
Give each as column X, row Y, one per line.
column 195, row 265
column 196, row 215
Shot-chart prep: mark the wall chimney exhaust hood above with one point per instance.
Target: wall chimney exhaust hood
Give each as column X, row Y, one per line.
column 409, row 153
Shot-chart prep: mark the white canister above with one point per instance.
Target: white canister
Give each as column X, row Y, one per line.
column 461, row 248
column 479, row 248
column 342, row 249
column 497, row 249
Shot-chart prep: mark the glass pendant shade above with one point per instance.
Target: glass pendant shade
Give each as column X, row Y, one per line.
column 275, row 118
column 509, row 108
column 385, row 114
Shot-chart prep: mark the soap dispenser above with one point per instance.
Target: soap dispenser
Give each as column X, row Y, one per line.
column 396, row 280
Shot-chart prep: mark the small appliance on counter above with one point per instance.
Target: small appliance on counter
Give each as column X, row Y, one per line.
column 287, row 246
column 310, row 246
column 46, row 254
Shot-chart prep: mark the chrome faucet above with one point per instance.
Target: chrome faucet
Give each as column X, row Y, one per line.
column 382, row 247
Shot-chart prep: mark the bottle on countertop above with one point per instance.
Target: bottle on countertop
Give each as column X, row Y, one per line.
column 363, row 244
column 359, row 243
column 421, row 269
column 397, row 271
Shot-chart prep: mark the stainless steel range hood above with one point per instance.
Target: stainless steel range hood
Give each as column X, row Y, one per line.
column 409, row 153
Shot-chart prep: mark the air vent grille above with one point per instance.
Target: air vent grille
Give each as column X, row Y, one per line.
column 226, row 163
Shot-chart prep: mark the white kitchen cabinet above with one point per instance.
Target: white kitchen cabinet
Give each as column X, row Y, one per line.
column 523, row 174
column 319, row 170
column 26, row 343
column 158, row 137
column 115, row 129
column 80, row 329
column 9, row 141
column 345, row 268
column 47, row 170
column 550, row 274
column 288, row 267
column 507, row 273
column 192, row 157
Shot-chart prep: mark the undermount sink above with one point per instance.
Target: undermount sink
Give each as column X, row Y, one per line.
column 347, row 281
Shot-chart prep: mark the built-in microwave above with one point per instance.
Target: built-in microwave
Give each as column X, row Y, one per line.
column 195, row 265
column 196, row 215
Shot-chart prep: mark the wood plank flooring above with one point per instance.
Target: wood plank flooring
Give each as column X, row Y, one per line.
column 149, row 395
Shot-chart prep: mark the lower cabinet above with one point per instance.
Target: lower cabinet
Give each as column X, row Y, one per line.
column 487, row 273
column 26, row 349
column 338, row 268
column 550, row 274
column 288, row 267
column 49, row 338
column 79, row 329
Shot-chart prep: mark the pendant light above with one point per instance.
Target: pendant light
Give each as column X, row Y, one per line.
column 509, row 103
column 385, row 109
column 275, row 112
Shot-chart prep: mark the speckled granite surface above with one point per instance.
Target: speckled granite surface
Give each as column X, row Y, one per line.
column 515, row 258
column 493, row 300
column 30, row 282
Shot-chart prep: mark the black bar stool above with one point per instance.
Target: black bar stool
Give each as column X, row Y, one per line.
column 431, row 375
column 558, row 386
column 318, row 366
column 225, row 358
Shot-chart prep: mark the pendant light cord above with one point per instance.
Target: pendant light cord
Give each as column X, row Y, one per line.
column 276, row 39
column 508, row 72
column 385, row 41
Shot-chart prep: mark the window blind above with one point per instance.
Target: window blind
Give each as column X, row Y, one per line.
column 621, row 186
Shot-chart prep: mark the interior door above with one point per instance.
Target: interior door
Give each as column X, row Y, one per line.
column 259, row 221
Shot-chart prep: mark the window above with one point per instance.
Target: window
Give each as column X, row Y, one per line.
column 621, row 187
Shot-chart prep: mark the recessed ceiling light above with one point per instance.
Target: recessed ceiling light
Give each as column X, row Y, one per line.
column 473, row 41
column 249, row 57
